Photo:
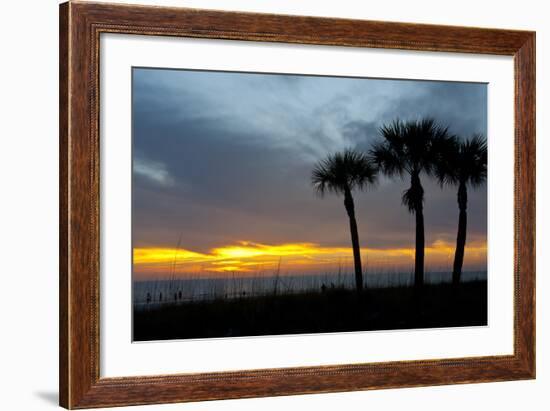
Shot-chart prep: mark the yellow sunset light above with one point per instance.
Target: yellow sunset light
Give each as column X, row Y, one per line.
column 237, row 252
column 246, row 257
column 162, row 255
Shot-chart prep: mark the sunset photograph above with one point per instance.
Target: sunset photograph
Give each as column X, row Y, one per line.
column 271, row 204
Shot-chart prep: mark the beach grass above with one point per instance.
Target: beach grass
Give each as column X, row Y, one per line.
column 334, row 309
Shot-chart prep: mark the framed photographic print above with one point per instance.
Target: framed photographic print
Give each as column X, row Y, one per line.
column 257, row 205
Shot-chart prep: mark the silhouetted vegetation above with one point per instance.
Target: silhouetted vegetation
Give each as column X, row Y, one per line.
column 462, row 163
column 341, row 173
column 410, row 148
column 320, row 311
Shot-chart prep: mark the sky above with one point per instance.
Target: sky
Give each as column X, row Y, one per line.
column 222, row 167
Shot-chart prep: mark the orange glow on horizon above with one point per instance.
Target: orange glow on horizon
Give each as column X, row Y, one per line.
column 247, row 257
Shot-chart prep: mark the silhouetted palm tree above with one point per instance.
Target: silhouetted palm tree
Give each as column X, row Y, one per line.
column 462, row 164
column 410, row 148
column 341, row 173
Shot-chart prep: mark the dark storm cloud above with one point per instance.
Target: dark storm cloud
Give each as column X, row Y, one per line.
column 220, row 157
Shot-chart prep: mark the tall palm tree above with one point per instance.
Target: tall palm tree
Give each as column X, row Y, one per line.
column 342, row 173
column 462, row 164
column 409, row 148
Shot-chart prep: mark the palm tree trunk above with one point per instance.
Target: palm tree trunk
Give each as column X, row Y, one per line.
column 418, row 193
column 419, row 252
column 350, row 208
column 462, row 197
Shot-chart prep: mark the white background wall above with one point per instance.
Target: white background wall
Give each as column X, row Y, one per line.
column 29, row 219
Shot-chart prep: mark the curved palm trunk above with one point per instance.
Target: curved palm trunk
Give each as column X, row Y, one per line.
column 462, row 197
column 350, row 208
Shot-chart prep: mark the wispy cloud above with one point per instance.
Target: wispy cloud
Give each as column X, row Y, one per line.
column 154, row 171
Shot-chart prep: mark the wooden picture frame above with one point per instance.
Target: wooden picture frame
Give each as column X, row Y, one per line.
column 80, row 27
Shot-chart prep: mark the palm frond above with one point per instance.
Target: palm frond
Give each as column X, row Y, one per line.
column 408, row 146
column 346, row 170
column 388, row 154
column 474, row 157
column 447, row 160
column 412, row 197
column 462, row 161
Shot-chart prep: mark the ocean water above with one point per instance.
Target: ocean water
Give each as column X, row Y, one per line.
column 175, row 291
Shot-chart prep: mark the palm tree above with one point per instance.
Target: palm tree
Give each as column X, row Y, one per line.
column 410, row 148
column 342, row 173
column 462, row 164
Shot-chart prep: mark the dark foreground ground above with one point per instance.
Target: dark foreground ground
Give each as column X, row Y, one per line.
column 334, row 310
